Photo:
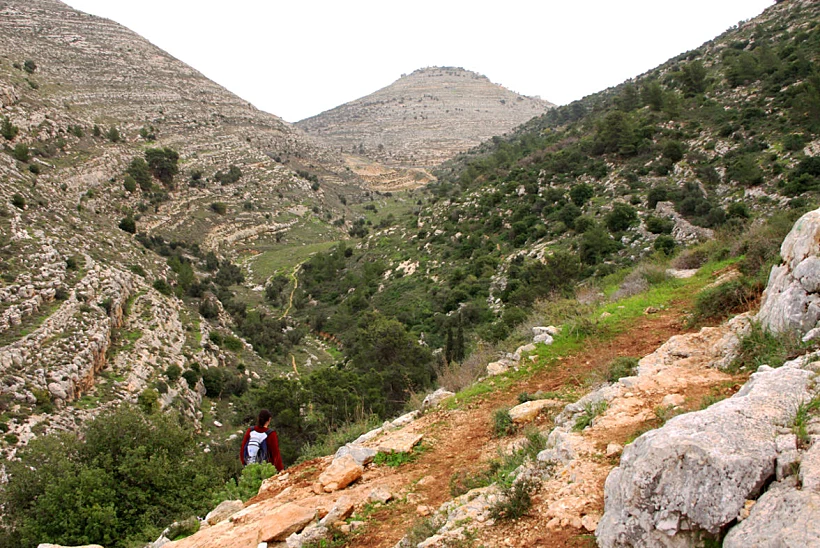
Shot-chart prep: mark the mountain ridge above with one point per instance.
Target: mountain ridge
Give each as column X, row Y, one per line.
column 423, row 118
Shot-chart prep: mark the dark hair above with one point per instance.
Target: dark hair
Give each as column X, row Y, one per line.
column 264, row 416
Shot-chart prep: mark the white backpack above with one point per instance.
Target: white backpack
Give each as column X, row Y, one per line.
column 257, row 448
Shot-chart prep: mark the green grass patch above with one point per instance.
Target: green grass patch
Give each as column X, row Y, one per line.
column 395, row 460
column 805, row 410
column 761, row 347
column 622, row 366
column 499, row 470
column 591, row 410
column 503, row 424
column 597, row 324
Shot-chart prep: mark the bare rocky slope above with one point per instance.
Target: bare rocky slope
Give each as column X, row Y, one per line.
column 424, row 118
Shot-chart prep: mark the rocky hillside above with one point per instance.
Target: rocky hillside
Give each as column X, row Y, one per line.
column 92, row 314
column 424, row 118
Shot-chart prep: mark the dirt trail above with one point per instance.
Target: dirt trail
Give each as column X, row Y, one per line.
column 462, row 440
column 292, row 292
column 569, row 501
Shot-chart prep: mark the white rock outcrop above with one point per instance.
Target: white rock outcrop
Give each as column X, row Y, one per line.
column 791, row 301
column 697, row 471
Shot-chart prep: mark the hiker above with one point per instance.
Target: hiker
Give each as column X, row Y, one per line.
column 261, row 444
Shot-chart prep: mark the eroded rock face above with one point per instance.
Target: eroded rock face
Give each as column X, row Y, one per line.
column 783, row 516
column 697, row 471
column 791, row 301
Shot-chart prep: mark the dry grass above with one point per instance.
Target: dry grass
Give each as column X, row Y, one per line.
column 457, row 376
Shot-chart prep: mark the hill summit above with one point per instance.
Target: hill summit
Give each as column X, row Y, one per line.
column 424, row 118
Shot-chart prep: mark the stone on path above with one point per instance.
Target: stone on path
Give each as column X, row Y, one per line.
column 341, row 473
column 527, row 411
column 399, row 442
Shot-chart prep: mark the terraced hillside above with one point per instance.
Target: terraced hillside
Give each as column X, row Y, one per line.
column 424, row 118
column 93, row 303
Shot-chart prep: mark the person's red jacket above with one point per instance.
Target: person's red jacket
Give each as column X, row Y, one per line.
column 273, row 447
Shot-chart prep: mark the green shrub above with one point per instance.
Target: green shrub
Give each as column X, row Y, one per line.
column 515, row 500
column 29, row 66
column 761, row 347
column 163, row 287
column 103, row 485
column 249, row 483
column 129, row 184
column 717, row 303
column 673, row 151
column 21, row 152
column 191, row 377
column 665, row 244
column 8, row 130
column 503, row 424
column 659, row 225
column 173, row 372
column 219, row 208
column 127, row 224
column 621, row 217
column 232, row 343
column 138, row 170
column 113, row 135
column 18, row 201
column 34, row 168
column 214, row 381
column 163, row 164
column 148, row 400
column 622, row 366
column 591, row 410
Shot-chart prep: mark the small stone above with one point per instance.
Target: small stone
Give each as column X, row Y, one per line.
column 544, row 338
column 527, row 411
column 614, row 449
column 651, row 310
column 435, row 398
column 380, row 494
column 423, row 510
column 746, row 510
column 672, row 400
column 497, row 368
column 590, row 522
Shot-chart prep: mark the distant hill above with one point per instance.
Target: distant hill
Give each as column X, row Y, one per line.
column 424, row 118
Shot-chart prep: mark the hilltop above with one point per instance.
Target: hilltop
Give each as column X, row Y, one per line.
column 424, row 118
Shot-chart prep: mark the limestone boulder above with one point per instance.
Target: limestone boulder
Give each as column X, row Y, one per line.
column 223, row 511
column 527, row 411
column 284, row 521
column 698, row 470
column 810, row 469
column 341, row 473
column 791, row 301
column 399, row 442
column 783, row 516
column 361, row 454
column 498, row 367
column 432, row 400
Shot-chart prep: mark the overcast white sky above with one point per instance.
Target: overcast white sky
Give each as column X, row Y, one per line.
column 297, row 58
